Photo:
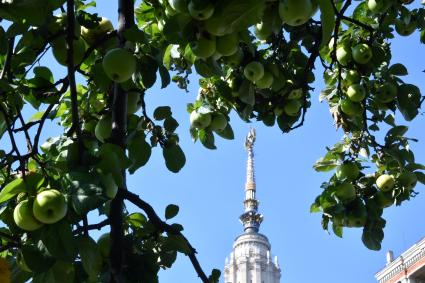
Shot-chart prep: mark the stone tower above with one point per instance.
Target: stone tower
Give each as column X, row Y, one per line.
column 250, row 260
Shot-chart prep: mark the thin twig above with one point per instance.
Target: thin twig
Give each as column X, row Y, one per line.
column 164, row 227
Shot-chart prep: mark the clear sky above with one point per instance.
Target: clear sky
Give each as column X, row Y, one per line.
column 210, row 189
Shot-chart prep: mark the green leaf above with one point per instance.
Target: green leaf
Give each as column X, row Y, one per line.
column 327, row 16
column 162, row 112
column 395, row 133
column 136, row 220
column 177, row 242
column 90, row 256
column 167, row 56
column 44, row 72
column 12, row 189
column 408, row 101
column 63, row 272
column 86, row 193
column 171, row 211
column 323, row 165
column 421, row 177
column 113, row 154
column 227, row 133
column 59, row 240
column 165, row 76
column 236, row 15
column 170, row 124
column 246, row 93
column 208, row 68
column 373, row 234
column 139, row 151
column 36, row 260
column 207, row 138
column 17, row 10
column 147, row 68
column 398, row 70
column 174, row 158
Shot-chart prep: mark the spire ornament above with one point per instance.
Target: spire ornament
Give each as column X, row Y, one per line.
column 250, row 219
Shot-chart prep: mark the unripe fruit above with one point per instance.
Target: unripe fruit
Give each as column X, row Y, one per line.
column 292, row 107
column 104, row 243
column 119, row 64
column 218, row 122
column 345, row 191
column 24, row 217
column 103, row 128
column 347, row 171
column 228, row 44
column 254, row 71
column 92, row 35
column 266, row 81
column 50, row 206
column 200, row 13
column 356, row 92
column 351, row 108
column 362, row 53
column 296, row 12
column 385, row 182
column 407, row 180
column 60, row 52
column 204, row 47
column 343, row 55
column 200, row 120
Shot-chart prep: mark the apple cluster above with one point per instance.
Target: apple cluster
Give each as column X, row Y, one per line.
column 355, row 191
column 49, row 206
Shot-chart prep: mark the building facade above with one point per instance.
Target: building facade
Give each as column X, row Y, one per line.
column 250, row 260
column 409, row 267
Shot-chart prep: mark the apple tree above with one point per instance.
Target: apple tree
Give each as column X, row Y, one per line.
column 253, row 57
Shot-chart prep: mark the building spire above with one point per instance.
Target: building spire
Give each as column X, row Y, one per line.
column 250, row 219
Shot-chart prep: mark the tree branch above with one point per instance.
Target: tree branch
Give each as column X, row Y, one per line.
column 164, row 227
column 118, row 137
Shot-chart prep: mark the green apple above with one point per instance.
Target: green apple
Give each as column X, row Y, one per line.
column 92, row 35
column 343, row 55
column 296, row 12
column 356, row 92
column 351, row 108
column 60, row 51
column 218, row 122
column 362, row 53
column 407, row 180
column 200, row 13
column 133, row 102
column 383, row 199
column 266, row 81
column 200, row 120
column 351, row 77
column 386, row 92
column 405, row 28
column 104, row 244
column 385, row 182
column 254, row 71
column 89, row 125
column 24, row 217
column 345, row 191
column 347, row 171
column 49, row 206
column 109, row 186
column 235, row 59
column 179, row 5
column 103, row 129
column 216, row 27
column 204, row 47
column 227, row 45
column 292, row 107
column 119, row 64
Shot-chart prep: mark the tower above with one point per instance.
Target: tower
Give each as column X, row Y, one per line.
column 250, row 260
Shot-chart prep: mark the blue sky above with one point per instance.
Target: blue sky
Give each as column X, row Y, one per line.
column 210, row 189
